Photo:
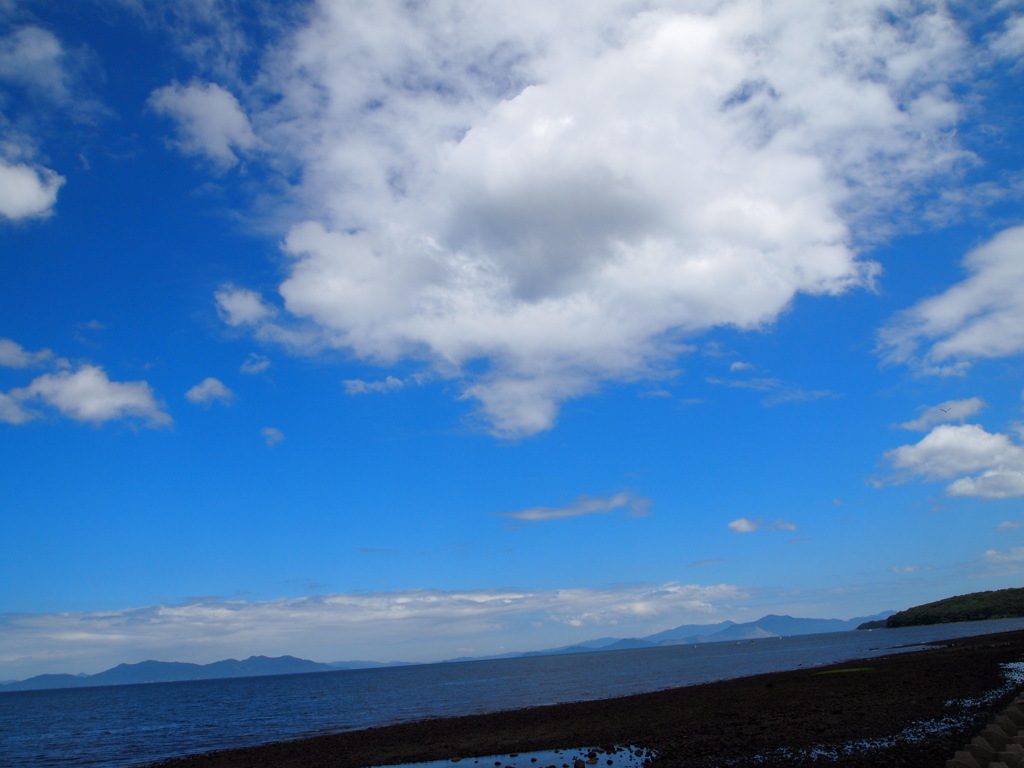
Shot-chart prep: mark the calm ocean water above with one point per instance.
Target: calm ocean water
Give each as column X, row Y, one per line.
column 116, row 726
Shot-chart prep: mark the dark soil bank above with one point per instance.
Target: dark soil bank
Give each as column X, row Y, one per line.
column 864, row 713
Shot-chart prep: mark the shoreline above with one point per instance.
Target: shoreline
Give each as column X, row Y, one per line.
column 867, row 712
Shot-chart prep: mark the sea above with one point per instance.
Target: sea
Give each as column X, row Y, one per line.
column 132, row 725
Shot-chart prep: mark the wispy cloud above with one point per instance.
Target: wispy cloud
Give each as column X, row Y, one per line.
column 241, row 306
column 950, row 410
column 761, row 384
column 635, row 506
column 980, row 317
column 662, row 393
column 13, row 355
column 748, row 525
column 254, row 364
column 13, row 412
column 360, row 387
column 780, row 392
column 794, row 395
column 1011, row 555
column 209, row 390
column 910, row 568
column 272, row 436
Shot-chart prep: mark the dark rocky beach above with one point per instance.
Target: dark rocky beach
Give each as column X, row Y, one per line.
column 911, row 709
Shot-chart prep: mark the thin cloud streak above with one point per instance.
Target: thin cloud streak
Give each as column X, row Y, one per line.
column 361, row 387
column 272, row 436
column 635, row 506
column 1011, row 555
column 254, row 364
column 950, row 410
column 748, row 525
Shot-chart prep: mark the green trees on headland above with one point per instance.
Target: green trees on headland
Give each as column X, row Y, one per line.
column 977, row 606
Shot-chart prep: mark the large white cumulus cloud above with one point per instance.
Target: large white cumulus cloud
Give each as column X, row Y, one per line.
column 551, row 196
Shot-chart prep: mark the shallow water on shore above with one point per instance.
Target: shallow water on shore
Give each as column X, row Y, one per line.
column 583, row 757
column 117, row 726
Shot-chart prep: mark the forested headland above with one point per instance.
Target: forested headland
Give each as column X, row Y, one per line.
column 977, row 606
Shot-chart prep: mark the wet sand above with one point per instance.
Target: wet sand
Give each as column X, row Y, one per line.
column 858, row 713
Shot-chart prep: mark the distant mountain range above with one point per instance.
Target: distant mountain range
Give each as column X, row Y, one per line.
column 256, row 666
column 173, row 671
column 693, row 634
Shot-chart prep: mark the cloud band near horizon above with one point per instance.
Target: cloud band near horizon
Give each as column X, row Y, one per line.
column 406, row 625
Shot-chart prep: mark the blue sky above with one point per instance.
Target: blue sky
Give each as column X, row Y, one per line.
column 407, row 331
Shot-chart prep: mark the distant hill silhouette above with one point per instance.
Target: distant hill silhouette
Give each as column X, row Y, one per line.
column 173, row 671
